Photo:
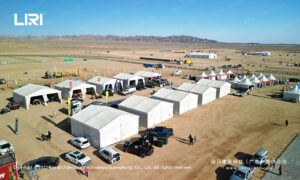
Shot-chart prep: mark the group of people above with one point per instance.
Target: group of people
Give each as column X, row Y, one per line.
column 192, row 140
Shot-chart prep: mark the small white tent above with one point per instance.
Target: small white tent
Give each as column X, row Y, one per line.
column 255, row 81
column 223, row 88
column 147, row 75
column 212, row 75
column 234, row 82
column 263, row 79
column 246, row 83
column 103, row 125
column 183, row 101
column 292, row 94
column 205, row 94
column 202, row 75
column 222, row 75
column 26, row 94
column 129, row 80
column 103, row 83
column 77, row 87
column 151, row 111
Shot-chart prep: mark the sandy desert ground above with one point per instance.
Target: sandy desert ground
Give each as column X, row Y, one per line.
column 230, row 128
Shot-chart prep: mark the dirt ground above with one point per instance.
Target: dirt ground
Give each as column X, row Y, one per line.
column 230, row 128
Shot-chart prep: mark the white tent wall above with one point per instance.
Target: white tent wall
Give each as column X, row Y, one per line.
column 208, row 96
column 77, row 128
column 21, row 100
column 176, row 106
column 167, row 111
column 143, row 116
column 93, row 136
column 291, row 97
column 224, row 90
column 130, row 126
column 154, row 116
column 188, row 103
column 101, row 85
column 111, row 133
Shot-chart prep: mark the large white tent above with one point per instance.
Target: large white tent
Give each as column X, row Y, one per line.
column 292, row 94
column 77, row 87
column 205, row 94
column 129, row 80
column 103, row 83
column 151, row 111
column 26, row 94
column 202, row 75
column 103, row 125
column 183, row 101
column 223, row 88
column 147, row 75
column 202, row 55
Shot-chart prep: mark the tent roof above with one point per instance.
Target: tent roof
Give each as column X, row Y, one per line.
column 260, row 75
column 263, row 78
column 171, row 94
column 75, row 84
column 32, row 89
column 98, row 116
column 201, row 53
column 212, row 73
column 292, row 90
column 221, row 72
column 140, row 103
column 212, row 83
column 252, row 76
column 194, row 88
column 147, row 74
column 235, row 80
column 271, row 77
column 202, row 74
column 229, row 72
column 123, row 76
column 255, row 80
column 103, row 80
column 246, row 81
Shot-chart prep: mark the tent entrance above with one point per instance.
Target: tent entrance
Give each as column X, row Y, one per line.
column 140, row 82
column 90, row 91
column 132, row 83
column 77, row 93
column 53, row 97
column 36, row 100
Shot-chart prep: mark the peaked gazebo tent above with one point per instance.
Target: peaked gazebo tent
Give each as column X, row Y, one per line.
column 104, row 125
column 255, row 81
column 77, row 87
column 234, row 82
column 28, row 93
column 222, row 75
column 263, row 79
column 292, row 94
column 202, row 75
column 243, row 77
column 151, row 111
column 223, row 88
column 103, row 83
column 272, row 79
column 205, row 94
column 129, row 80
column 212, row 75
column 246, row 83
column 148, row 75
column 230, row 74
column 183, row 101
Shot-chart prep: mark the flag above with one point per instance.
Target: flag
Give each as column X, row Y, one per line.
column 99, row 79
column 151, row 78
column 298, row 88
column 70, row 85
column 52, row 82
column 287, row 82
column 35, row 80
column 6, row 83
column 16, row 82
column 82, row 79
column 8, row 77
column 171, row 84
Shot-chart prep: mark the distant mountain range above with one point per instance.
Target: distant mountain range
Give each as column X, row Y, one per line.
column 167, row 39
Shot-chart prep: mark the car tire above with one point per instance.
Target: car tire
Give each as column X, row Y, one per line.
column 142, row 155
column 68, row 160
column 79, row 164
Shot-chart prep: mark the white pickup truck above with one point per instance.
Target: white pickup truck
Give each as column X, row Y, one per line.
column 128, row 91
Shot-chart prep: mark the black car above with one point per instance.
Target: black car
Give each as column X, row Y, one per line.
column 138, row 148
column 149, row 85
column 160, row 131
column 2, row 81
column 42, row 162
column 156, row 140
column 294, row 80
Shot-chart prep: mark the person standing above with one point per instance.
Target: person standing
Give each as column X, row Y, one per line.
column 49, row 135
column 86, row 171
column 191, row 139
column 280, row 170
column 286, row 123
column 54, row 114
column 273, row 163
column 195, row 139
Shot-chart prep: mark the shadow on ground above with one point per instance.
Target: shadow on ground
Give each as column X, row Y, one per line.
column 224, row 173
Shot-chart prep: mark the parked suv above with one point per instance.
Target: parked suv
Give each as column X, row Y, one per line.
column 78, row 158
column 260, row 158
column 138, row 148
column 13, row 105
column 5, row 147
column 80, row 142
column 243, row 173
column 160, row 130
column 111, row 155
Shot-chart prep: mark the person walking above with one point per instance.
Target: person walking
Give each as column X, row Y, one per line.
column 49, row 135
column 273, row 163
column 280, row 170
column 54, row 114
column 286, row 123
column 195, row 139
column 86, row 171
column 191, row 139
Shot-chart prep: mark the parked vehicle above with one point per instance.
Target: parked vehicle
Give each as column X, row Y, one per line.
column 13, row 105
column 4, row 110
column 140, row 87
column 36, row 102
column 5, row 147
column 242, row 173
column 260, row 158
column 241, row 92
column 148, row 65
column 138, row 148
column 78, row 158
column 110, row 154
column 177, row 73
column 2, row 81
column 154, row 139
column 160, row 66
column 128, row 91
column 149, row 85
column 42, row 162
column 160, row 131
column 80, row 142
column 75, row 106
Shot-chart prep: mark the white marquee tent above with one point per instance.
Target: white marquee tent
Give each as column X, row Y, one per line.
column 147, row 75
column 183, row 101
column 129, row 80
column 151, row 111
column 103, row 84
column 202, row 75
column 212, row 75
column 104, row 125
column 202, row 55
column 26, row 94
column 77, row 87
column 223, row 88
column 205, row 94
column 222, row 75
column 234, row 82
column 292, row 94
column 246, row 83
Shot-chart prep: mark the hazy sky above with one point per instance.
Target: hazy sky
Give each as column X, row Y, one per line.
column 263, row 21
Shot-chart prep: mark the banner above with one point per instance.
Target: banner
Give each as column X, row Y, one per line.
column 70, row 85
column 99, row 79
column 52, row 82
column 6, row 83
